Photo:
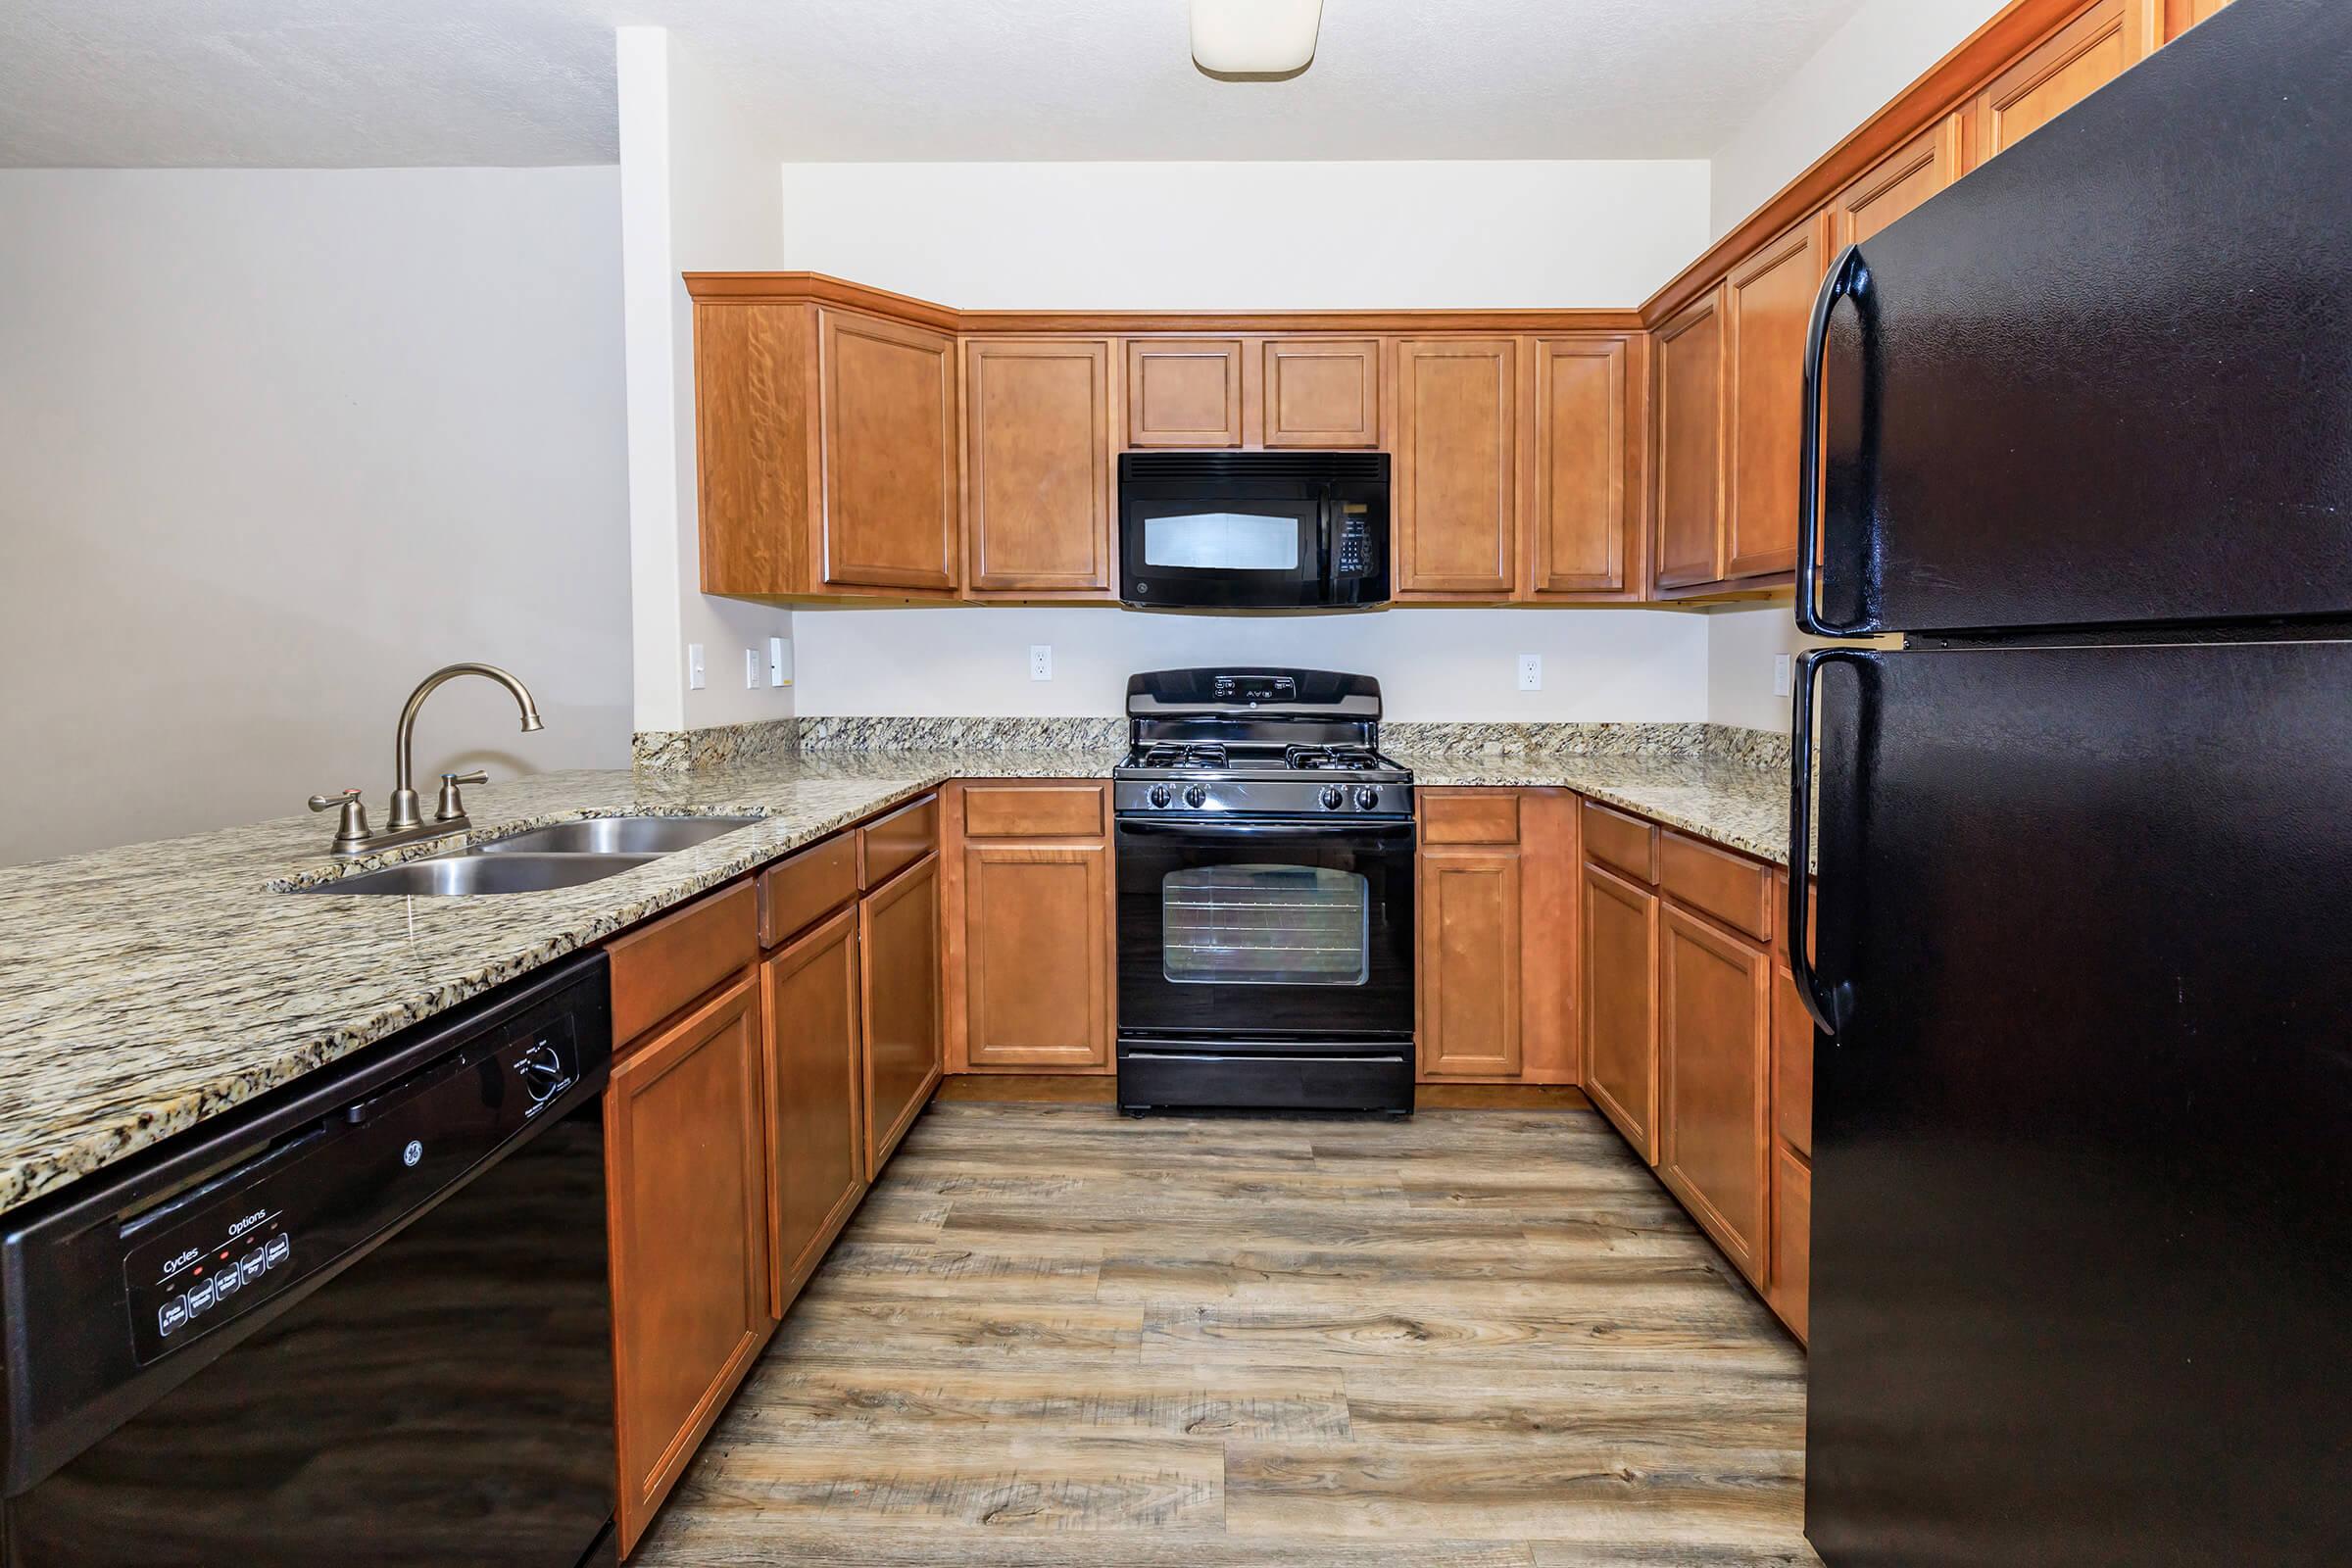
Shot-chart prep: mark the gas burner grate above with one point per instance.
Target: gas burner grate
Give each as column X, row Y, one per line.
column 1195, row 753
column 1340, row 758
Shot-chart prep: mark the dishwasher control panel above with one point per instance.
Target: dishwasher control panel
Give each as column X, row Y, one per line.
column 244, row 1235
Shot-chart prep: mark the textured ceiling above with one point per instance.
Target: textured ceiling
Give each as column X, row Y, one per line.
column 363, row 83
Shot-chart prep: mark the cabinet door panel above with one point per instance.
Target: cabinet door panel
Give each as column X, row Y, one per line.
column 1689, row 352
column 1792, row 1066
column 899, row 934
column 1714, row 1027
column 1620, row 940
column 1901, row 182
column 1322, row 393
column 1770, row 302
column 1457, row 481
column 817, row 1135
column 2063, row 70
column 1470, row 955
column 1183, row 392
column 1037, row 465
column 1038, row 955
column 889, row 425
column 1791, row 1289
column 1578, row 514
column 686, row 1176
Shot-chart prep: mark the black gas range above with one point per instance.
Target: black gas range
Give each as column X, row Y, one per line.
column 1265, row 892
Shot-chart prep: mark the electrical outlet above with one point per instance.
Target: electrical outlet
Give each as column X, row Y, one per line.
column 751, row 670
column 695, row 680
column 1041, row 660
column 1531, row 672
column 1781, row 674
column 779, row 662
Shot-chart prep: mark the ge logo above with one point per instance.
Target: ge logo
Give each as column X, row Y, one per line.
column 413, row 1153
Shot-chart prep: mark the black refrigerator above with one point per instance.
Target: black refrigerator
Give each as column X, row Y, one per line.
column 2082, row 1245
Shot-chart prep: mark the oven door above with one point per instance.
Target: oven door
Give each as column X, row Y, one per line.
column 1265, row 929
column 1213, row 545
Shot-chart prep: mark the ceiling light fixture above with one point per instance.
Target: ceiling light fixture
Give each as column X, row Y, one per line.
column 1254, row 39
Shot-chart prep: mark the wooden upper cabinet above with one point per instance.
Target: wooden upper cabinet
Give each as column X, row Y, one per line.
column 1899, row 183
column 2106, row 40
column 1769, row 300
column 1038, row 449
column 1714, row 1087
column 1579, row 509
column 1455, row 487
column 686, row 1177
column 1183, row 392
column 1322, row 393
column 889, row 420
column 1689, row 445
column 1619, row 975
column 2182, row 15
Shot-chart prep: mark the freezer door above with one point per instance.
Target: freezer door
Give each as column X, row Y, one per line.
column 2107, row 379
column 2083, row 1148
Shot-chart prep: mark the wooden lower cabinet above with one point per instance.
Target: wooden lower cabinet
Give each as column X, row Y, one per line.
column 1494, row 920
column 686, row 1176
column 815, row 1105
column 1039, row 964
column 1791, row 1290
column 1714, row 1083
column 1792, row 1146
column 1620, row 984
column 898, row 933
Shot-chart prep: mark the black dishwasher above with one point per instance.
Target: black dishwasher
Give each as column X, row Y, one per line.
column 365, row 1320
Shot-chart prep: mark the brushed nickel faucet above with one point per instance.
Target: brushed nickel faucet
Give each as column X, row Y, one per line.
column 408, row 824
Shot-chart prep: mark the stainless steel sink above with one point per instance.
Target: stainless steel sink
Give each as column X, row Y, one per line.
column 615, row 835
column 443, row 875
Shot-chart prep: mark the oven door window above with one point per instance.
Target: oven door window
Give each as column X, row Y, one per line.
column 1265, row 925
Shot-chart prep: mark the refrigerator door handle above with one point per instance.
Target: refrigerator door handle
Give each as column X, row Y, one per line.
column 1848, row 278
column 1829, row 1004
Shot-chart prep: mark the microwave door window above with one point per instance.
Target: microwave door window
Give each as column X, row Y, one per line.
column 1223, row 541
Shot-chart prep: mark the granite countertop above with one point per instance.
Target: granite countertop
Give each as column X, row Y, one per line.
column 146, row 988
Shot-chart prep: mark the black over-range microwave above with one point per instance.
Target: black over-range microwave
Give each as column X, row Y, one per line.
column 1227, row 530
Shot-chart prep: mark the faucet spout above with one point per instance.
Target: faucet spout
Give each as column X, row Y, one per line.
column 405, row 812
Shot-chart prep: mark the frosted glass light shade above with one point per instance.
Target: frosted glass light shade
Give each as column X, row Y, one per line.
column 1255, row 37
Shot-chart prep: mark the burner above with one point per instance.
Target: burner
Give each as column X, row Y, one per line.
column 1173, row 754
column 1198, row 751
column 1341, row 758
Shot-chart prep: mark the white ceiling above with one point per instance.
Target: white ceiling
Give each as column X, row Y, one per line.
column 327, row 83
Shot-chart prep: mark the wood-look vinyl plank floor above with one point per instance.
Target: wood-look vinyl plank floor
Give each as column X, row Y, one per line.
column 1055, row 1339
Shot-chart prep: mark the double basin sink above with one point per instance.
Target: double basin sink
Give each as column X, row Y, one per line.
column 561, row 855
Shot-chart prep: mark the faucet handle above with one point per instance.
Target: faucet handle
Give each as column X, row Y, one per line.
column 452, row 804
column 351, row 828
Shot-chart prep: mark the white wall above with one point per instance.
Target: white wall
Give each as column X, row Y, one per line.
column 1882, row 49
column 1250, row 236
column 1740, row 647
column 274, row 445
column 1598, row 665
column 1173, row 236
column 695, row 196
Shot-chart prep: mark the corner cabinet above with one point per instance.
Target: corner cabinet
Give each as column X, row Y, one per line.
column 1690, row 444
column 1769, row 303
column 886, row 405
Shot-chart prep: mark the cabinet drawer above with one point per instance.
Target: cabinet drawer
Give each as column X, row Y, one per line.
column 1627, row 843
column 794, row 894
column 1470, row 816
column 659, row 968
column 1034, row 812
column 1712, row 881
column 891, row 844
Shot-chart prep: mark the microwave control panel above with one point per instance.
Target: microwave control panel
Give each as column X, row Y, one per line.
column 1354, row 544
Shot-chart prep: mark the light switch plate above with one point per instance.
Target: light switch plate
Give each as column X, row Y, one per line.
column 1781, row 674
column 1531, row 672
column 695, row 678
column 751, row 670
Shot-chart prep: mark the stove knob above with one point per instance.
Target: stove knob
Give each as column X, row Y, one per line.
column 1161, row 795
column 1196, row 796
column 1334, row 796
column 1367, row 797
